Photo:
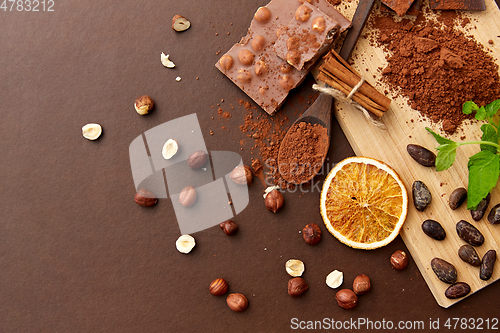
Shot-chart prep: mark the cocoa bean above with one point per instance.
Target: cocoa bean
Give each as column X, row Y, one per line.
column 487, row 265
column 422, row 155
column 468, row 254
column 457, row 290
column 457, row 198
column 494, row 215
column 433, row 229
column 469, row 233
column 421, row 195
column 478, row 213
column 445, row 271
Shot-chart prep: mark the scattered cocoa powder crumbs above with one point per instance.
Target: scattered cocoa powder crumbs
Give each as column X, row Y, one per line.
column 436, row 66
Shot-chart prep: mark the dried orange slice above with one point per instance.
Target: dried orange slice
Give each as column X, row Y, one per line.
column 363, row 203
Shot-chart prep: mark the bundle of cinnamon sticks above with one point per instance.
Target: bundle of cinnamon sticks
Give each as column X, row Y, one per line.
column 338, row 74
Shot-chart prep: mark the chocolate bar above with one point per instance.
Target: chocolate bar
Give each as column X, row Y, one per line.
column 253, row 64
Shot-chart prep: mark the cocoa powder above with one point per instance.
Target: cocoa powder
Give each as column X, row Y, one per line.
column 302, row 151
column 436, row 66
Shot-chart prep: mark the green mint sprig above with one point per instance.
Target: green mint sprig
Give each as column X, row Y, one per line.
column 484, row 167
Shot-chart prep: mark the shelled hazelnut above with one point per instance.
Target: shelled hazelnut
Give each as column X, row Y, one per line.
column 399, row 260
column 311, row 233
column 346, row 299
column 229, row 227
column 145, row 198
column 242, row 175
column 187, row 197
column 143, row 105
column 297, row 286
column 197, row 159
column 237, row 302
column 274, row 201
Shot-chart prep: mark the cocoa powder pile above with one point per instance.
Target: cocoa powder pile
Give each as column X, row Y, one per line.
column 302, row 151
column 436, row 67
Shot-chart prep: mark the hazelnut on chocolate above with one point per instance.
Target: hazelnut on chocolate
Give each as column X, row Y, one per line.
column 258, row 43
column 285, row 68
column 303, row 13
column 244, row 76
column 286, row 82
column 318, row 24
column 262, row 15
column 226, row 62
column 293, row 58
column 292, row 43
column 246, row 57
column 261, row 68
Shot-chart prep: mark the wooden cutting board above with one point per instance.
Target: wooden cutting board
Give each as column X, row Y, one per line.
column 390, row 146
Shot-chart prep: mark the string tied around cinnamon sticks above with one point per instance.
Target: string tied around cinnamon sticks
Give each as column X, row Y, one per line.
column 346, row 85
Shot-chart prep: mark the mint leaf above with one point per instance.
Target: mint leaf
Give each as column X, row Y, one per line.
column 446, row 156
column 484, row 170
column 490, row 134
column 469, row 106
column 481, row 113
column 439, row 138
column 492, row 108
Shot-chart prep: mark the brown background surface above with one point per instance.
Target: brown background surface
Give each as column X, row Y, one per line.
column 78, row 255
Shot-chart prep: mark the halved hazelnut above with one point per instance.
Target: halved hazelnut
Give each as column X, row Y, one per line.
column 292, row 43
column 244, row 76
column 262, row 15
column 246, row 57
column 180, row 23
column 294, row 267
column 258, row 43
column 261, row 68
column 226, row 62
column 293, row 58
column 91, row 131
column 303, row 13
column 318, row 24
column 166, row 61
column 334, row 279
column 286, row 82
column 169, row 149
column 185, row 243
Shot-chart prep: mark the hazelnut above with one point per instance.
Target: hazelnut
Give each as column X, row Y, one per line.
column 293, row 58
column 285, row 68
column 169, row 149
column 262, row 15
column 334, row 279
column 292, row 43
column 187, row 197
column 258, row 43
column 361, row 284
column 295, row 267
column 311, row 233
column 226, row 62
column 92, row 131
column 261, row 68
column 303, row 13
column 185, row 243
column 346, row 298
column 165, row 61
column 274, row 201
column 145, row 198
column 237, row 302
column 297, row 286
column 318, row 24
column 241, row 175
column 244, row 76
column 246, row 57
column 286, row 82
column 229, row 227
column 197, row 159
column 143, row 105
column 399, row 260
column 180, row 23
column 218, row 287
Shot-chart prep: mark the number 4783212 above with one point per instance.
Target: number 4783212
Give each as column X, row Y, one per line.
column 27, row 5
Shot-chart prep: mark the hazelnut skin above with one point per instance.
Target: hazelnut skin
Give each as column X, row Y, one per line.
column 297, row 286
column 218, row 287
column 187, row 197
column 242, row 175
column 145, row 198
column 399, row 260
column 143, row 105
column 197, row 159
column 229, row 227
column 237, row 302
column 346, row 299
column 311, row 233
column 361, row 284
column 274, row 201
